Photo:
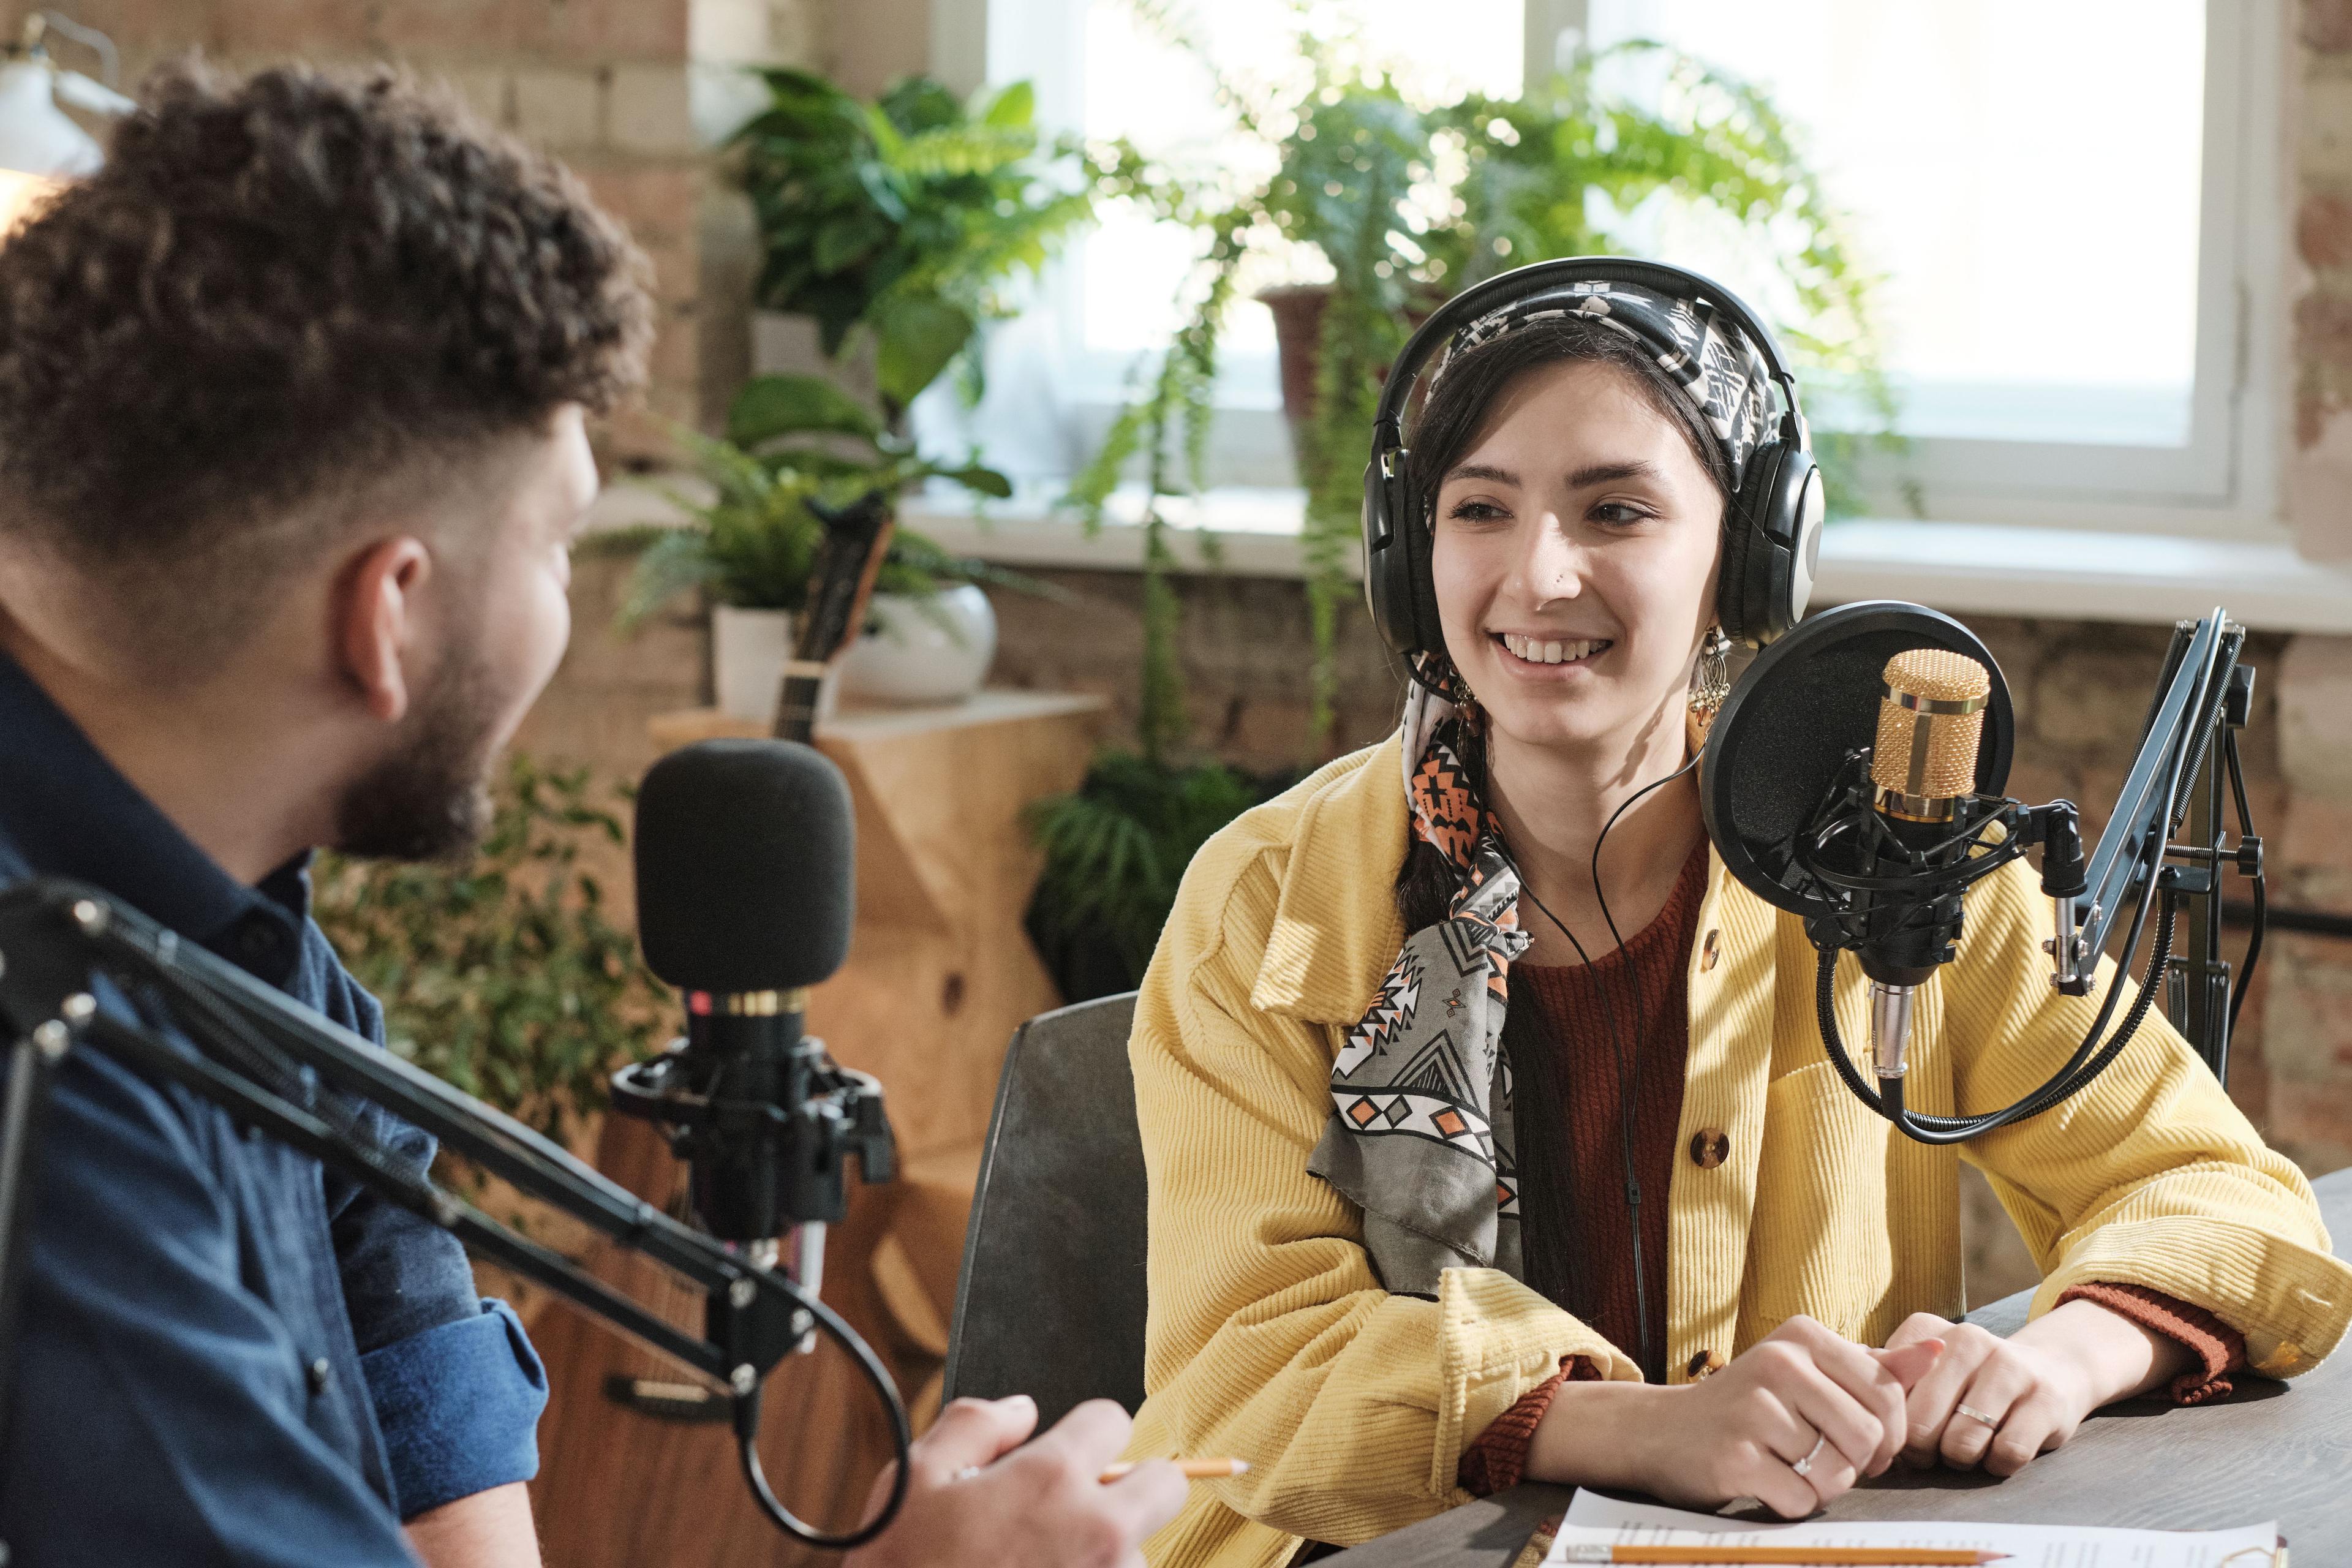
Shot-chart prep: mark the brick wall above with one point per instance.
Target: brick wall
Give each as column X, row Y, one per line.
column 2320, row 137
column 630, row 93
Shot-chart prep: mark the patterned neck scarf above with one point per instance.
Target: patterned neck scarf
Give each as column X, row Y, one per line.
column 1421, row 1133
column 1420, row 1136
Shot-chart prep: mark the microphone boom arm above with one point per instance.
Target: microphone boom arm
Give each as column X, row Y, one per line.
column 2188, row 704
column 263, row 1058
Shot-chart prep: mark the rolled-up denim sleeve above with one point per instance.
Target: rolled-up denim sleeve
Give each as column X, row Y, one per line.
column 457, row 1387
column 459, row 1405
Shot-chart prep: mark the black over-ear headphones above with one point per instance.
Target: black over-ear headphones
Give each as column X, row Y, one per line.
column 1773, row 539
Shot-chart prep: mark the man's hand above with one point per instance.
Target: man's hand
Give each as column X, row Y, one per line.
column 2025, row 1394
column 1804, row 1395
column 1040, row 1506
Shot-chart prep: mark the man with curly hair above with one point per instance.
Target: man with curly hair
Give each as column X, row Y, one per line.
column 293, row 406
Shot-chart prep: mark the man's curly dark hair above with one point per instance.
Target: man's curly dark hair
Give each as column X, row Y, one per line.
column 281, row 294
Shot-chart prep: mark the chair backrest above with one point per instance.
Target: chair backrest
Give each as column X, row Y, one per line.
column 1051, row 1302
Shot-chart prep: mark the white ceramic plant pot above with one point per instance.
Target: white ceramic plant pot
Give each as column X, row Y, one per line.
column 748, row 649
column 922, row 648
column 747, row 652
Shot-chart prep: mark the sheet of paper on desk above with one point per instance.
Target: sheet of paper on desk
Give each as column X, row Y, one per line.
column 1596, row 1520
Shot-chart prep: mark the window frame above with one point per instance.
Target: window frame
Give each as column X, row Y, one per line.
column 2224, row 482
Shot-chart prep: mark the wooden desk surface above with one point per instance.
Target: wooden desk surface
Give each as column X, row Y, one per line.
column 2271, row 1451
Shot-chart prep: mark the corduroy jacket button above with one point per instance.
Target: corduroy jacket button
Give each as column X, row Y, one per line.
column 1710, row 951
column 1710, row 1147
column 321, row 1373
column 1703, row 1365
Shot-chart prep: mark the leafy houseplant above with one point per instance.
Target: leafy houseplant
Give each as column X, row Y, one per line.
column 906, row 216
column 1115, row 850
column 505, row 977
column 791, row 439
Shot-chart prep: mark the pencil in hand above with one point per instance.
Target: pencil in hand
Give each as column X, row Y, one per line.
column 1192, row 1470
column 1808, row 1556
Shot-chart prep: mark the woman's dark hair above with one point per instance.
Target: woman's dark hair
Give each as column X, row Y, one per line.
column 1454, row 417
column 1455, row 410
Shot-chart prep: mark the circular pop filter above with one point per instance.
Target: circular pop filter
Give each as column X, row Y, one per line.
column 1812, row 697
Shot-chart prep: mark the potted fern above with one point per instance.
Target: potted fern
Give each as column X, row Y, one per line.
column 750, row 544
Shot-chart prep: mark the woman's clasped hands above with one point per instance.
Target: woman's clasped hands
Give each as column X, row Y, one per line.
column 1805, row 1412
column 1793, row 1422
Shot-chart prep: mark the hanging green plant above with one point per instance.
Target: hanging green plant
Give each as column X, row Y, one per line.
column 1406, row 203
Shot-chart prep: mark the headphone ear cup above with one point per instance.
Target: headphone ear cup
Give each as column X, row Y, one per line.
column 1809, row 510
column 1420, row 583
column 1737, row 604
column 1773, row 546
column 1391, row 571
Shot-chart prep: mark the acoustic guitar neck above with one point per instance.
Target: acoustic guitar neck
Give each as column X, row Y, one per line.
column 848, row 559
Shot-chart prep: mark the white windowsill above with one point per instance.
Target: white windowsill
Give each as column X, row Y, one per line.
column 1960, row 568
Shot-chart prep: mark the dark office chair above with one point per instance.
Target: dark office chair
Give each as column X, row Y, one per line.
column 1051, row 1302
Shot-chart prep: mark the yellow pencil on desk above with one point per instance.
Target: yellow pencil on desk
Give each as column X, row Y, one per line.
column 1192, row 1470
column 1806, row 1556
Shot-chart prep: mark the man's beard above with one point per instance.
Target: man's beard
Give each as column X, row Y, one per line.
column 430, row 799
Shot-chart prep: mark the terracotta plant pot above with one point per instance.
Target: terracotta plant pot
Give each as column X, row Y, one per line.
column 1299, row 346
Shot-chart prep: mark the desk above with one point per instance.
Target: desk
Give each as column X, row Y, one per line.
column 2268, row 1452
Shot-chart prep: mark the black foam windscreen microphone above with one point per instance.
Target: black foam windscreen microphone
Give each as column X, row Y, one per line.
column 746, row 867
column 746, row 876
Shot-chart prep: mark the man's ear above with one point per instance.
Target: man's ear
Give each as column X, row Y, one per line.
column 376, row 621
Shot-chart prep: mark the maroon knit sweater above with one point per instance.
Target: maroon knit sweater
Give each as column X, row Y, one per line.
column 1574, row 1003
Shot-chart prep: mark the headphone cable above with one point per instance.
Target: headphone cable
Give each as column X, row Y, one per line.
column 1628, row 1075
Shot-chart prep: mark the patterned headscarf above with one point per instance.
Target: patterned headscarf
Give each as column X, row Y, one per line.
column 1702, row 350
column 1420, row 1130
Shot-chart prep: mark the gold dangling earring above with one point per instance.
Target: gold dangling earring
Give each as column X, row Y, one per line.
column 1712, row 683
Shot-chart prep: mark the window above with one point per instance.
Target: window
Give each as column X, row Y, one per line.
column 2072, row 207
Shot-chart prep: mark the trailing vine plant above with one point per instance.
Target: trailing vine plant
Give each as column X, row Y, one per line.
column 1409, row 201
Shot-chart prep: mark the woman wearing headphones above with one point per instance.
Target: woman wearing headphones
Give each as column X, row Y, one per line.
column 1451, row 1186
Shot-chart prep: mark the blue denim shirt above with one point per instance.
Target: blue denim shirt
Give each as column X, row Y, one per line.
column 227, row 1355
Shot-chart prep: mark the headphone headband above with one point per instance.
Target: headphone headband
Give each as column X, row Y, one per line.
column 1542, row 277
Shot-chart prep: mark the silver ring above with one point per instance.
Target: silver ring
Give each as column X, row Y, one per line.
column 1804, row 1466
column 1973, row 1414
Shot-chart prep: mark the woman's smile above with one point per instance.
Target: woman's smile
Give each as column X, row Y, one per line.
column 1534, row 655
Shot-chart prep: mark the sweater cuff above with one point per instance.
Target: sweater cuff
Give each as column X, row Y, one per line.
column 1499, row 1458
column 2215, row 1349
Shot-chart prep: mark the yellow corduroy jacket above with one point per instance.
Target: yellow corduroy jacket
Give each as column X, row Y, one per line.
column 1271, row 1339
